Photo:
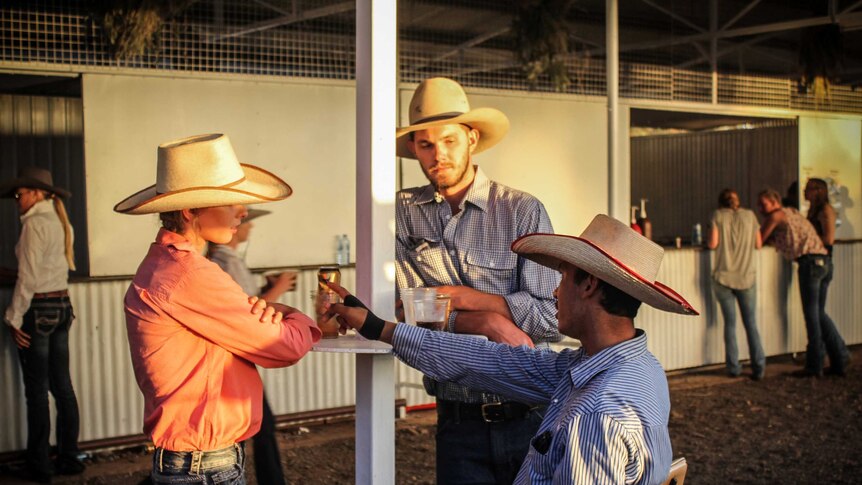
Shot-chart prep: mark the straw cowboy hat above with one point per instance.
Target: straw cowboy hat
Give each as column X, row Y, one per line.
column 441, row 101
column 32, row 178
column 203, row 171
column 612, row 252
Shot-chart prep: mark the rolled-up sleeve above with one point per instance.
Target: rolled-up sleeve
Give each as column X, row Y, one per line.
column 214, row 306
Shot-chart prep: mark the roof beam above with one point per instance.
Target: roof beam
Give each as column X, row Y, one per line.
column 739, row 15
column 674, row 16
column 289, row 19
column 851, row 7
column 852, row 18
column 462, row 47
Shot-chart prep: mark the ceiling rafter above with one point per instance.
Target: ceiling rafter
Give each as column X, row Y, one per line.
column 479, row 39
column 289, row 19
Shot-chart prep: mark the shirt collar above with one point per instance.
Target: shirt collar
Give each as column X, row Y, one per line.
column 41, row 207
column 478, row 193
column 178, row 241
column 590, row 366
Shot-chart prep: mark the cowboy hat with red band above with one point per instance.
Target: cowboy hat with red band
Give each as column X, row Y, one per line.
column 612, row 252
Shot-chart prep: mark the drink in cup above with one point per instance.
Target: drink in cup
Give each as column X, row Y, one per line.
column 409, row 297
column 432, row 314
column 324, row 295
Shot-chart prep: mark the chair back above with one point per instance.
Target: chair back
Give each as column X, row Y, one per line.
column 677, row 472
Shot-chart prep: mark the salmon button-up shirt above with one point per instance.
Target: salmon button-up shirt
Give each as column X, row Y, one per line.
column 194, row 345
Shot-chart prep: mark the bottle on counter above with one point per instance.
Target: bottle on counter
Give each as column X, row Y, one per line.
column 339, row 250
column 696, row 235
column 644, row 222
column 635, row 226
column 345, row 248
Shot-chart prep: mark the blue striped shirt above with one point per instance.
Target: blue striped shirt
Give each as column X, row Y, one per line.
column 472, row 248
column 607, row 414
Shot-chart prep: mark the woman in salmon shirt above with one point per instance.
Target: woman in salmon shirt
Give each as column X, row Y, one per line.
column 194, row 335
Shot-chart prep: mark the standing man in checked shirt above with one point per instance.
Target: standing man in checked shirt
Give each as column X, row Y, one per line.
column 454, row 234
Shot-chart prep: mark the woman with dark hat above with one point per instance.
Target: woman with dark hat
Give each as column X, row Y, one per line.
column 194, row 334
column 39, row 318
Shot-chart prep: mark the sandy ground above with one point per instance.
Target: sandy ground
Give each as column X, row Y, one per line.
column 731, row 430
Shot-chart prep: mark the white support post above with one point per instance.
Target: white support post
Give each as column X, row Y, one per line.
column 376, row 91
column 612, row 66
column 713, row 47
column 375, row 419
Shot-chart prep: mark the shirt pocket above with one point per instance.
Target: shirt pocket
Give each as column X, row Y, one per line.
column 431, row 261
column 491, row 271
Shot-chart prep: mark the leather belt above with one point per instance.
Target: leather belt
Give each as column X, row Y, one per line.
column 52, row 294
column 496, row 412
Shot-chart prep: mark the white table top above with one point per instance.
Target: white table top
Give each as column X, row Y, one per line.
column 352, row 344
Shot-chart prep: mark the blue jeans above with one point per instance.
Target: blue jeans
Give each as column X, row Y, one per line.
column 475, row 452
column 747, row 299
column 224, row 466
column 45, row 366
column 815, row 274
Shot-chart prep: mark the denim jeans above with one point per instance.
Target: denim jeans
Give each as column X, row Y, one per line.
column 217, row 467
column 476, row 452
column 747, row 299
column 815, row 274
column 45, row 366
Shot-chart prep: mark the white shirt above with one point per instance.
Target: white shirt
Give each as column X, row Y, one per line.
column 42, row 265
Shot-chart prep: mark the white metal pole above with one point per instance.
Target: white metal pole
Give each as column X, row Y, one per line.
column 376, row 91
column 612, row 67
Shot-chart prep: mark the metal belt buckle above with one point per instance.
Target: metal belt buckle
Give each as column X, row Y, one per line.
column 493, row 412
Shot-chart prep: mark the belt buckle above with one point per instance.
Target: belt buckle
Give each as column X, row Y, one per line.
column 493, row 412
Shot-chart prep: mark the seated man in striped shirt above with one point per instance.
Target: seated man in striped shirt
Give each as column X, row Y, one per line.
column 608, row 402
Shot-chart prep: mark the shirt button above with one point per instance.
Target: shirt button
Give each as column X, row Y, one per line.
column 452, row 252
column 491, row 264
column 418, row 258
column 555, row 401
column 448, row 216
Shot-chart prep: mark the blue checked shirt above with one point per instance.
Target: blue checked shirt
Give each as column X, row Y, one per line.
column 607, row 415
column 472, row 248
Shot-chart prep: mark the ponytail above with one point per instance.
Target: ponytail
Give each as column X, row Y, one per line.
column 60, row 209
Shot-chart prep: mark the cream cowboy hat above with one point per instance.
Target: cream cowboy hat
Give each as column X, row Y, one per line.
column 612, row 252
column 441, row 101
column 203, row 171
column 32, row 178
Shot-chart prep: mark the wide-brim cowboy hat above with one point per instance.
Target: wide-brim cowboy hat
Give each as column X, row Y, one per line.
column 203, row 171
column 612, row 252
column 32, row 178
column 441, row 101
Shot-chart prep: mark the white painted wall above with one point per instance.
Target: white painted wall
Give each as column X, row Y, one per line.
column 831, row 148
column 302, row 132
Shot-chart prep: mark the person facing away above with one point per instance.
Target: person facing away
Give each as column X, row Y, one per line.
column 797, row 240
column 735, row 233
column 267, row 459
column 194, row 334
column 454, row 234
column 39, row 318
column 608, row 402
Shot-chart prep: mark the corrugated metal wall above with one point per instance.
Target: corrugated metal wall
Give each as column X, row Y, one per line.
column 111, row 403
column 682, row 175
column 46, row 132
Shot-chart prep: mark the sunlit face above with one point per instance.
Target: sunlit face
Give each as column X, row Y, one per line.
column 444, row 153
column 766, row 205
column 26, row 198
column 568, row 302
column 219, row 224
column 243, row 231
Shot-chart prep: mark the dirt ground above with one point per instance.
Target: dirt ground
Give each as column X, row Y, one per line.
column 730, row 430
